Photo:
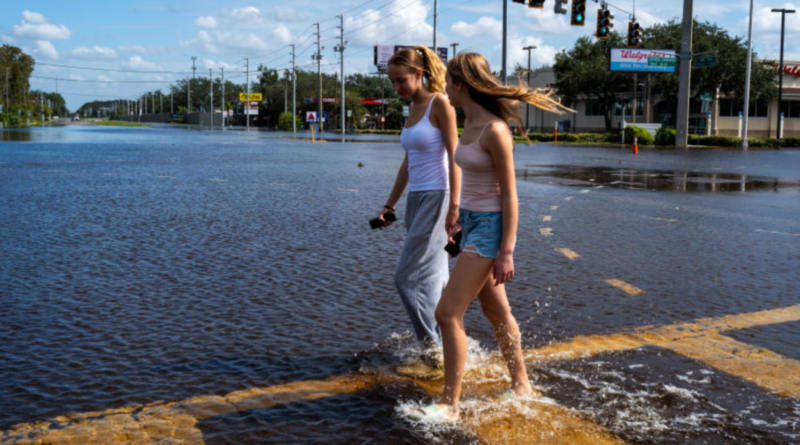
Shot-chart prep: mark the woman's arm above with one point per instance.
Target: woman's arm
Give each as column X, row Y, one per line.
column 500, row 145
column 400, row 185
column 445, row 120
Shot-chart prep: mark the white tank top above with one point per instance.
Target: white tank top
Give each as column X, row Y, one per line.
column 427, row 156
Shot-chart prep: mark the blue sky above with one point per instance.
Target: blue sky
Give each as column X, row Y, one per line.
column 148, row 44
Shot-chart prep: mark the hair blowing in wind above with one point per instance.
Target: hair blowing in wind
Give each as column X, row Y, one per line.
column 472, row 70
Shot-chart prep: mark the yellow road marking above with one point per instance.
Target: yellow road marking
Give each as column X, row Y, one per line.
column 347, row 190
column 699, row 339
column 218, row 180
column 777, row 233
column 553, row 207
column 770, row 370
column 546, row 231
column 568, row 253
column 568, row 198
column 660, row 219
column 585, row 191
column 547, row 218
column 631, row 290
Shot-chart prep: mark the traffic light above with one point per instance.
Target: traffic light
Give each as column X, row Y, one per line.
column 519, row 1
column 538, row 4
column 560, row 8
column 578, row 17
column 634, row 35
column 605, row 23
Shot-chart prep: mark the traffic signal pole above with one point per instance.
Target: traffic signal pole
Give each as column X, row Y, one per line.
column 684, row 86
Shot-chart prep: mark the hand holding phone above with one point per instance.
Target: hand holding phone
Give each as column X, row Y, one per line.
column 454, row 248
column 377, row 223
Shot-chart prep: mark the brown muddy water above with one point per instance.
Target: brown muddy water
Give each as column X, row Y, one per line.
column 147, row 265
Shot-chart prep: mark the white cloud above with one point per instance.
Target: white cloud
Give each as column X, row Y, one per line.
column 290, row 15
column 7, row 39
column 767, row 33
column 249, row 15
column 95, row 52
column 541, row 56
column 36, row 26
column 404, row 17
column 206, row 22
column 487, row 28
column 75, row 77
column 103, row 78
column 46, row 49
column 33, row 17
column 546, row 21
column 210, row 64
column 221, row 42
column 137, row 63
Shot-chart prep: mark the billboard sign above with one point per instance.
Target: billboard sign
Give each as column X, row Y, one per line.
column 383, row 53
column 639, row 60
column 253, row 97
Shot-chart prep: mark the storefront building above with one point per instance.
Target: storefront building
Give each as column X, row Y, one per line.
column 724, row 119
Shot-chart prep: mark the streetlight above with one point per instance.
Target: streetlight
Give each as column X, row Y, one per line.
column 527, row 106
column 783, row 12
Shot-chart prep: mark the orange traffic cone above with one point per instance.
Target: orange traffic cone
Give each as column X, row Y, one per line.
column 635, row 145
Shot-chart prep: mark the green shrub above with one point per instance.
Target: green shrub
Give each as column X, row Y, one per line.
column 765, row 142
column 285, row 121
column 665, row 136
column 791, row 142
column 644, row 136
column 721, row 141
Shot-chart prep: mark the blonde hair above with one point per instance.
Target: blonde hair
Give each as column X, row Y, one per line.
column 472, row 70
column 423, row 58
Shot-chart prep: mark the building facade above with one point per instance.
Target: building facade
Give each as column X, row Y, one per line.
column 725, row 119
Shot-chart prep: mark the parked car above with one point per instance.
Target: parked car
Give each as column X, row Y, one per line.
column 75, row 118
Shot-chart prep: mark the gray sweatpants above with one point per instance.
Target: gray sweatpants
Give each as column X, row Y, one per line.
column 422, row 272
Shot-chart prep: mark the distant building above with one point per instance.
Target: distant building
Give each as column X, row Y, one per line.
column 762, row 122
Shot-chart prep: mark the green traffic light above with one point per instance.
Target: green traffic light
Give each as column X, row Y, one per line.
column 580, row 17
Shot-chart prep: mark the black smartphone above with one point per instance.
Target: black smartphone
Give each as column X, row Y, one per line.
column 454, row 248
column 376, row 223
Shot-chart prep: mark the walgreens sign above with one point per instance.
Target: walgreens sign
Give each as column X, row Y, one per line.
column 789, row 70
column 624, row 59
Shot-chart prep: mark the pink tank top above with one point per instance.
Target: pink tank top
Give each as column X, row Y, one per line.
column 480, row 190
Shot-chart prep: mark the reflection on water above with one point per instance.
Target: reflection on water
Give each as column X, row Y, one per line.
column 649, row 179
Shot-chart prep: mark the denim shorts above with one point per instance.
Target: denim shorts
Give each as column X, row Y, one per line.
column 482, row 232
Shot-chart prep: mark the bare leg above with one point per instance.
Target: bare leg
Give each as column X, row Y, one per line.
column 494, row 303
column 469, row 275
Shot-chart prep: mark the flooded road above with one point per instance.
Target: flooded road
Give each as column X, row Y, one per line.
column 229, row 287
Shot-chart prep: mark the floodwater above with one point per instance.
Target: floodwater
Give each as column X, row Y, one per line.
column 153, row 265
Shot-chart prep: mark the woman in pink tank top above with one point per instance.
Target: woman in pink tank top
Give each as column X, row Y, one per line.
column 488, row 220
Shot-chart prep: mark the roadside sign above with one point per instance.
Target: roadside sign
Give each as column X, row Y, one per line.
column 706, row 62
column 383, row 119
column 253, row 96
column 662, row 61
column 405, row 110
column 706, row 98
column 311, row 116
column 349, row 113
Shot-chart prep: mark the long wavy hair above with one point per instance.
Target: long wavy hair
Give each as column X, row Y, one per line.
column 472, row 70
column 422, row 58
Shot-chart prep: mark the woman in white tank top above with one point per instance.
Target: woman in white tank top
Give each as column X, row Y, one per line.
column 429, row 171
column 488, row 224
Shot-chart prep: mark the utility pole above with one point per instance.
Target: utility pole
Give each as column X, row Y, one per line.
column 318, row 58
column 503, row 74
column 211, row 87
column 189, row 91
column 222, row 99
column 171, row 93
column 435, row 16
column 527, row 106
column 247, row 103
column 684, row 85
column 160, row 101
column 294, row 91
column 341, row 48
column 454, row 45
column 783, row 12
column 745, row 144
column 7, row 110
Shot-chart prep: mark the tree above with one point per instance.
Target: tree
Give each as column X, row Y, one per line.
column 583, row 73
column 727, row 77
